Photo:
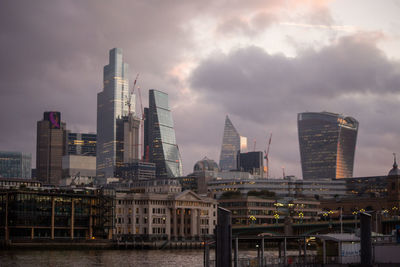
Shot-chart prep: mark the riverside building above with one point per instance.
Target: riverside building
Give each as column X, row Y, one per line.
column 55, row 213
column 167, row 215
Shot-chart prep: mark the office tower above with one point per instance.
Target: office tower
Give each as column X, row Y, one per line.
column 252, row 162
column 327, row 144
column 160, row 137
column 232, row 144
column 15, row 165
column 81, row 144
column 50, row 147
column 128, row 131
column 111, row 106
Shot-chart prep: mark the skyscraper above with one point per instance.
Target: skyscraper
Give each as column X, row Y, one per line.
column 327, row 144
column 15, row 165
column 81, row 144
column 232, row 144
column 111, row 106
column 160, row 142
column 50, row 147
column 252, row 162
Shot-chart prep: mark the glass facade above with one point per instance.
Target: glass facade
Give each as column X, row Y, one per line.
column 230, row 147
column 34, row 214
column 252, row 162
column 111, row 106
column 160, row 136
column 81, row 144
column 327, row 144
column 15, row 165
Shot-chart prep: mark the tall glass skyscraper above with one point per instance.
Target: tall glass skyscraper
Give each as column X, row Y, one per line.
column 160, row 139
column 111, row 106
column 232, row 144
column 327, row 144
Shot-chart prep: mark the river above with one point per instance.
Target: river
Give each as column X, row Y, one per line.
column 59, row 258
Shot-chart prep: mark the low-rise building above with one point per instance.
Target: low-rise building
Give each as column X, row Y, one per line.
column 248, row 210
column 172, row 216
column 323, row 188
column 55, row 213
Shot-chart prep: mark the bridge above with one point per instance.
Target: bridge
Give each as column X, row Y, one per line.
column 310, row 228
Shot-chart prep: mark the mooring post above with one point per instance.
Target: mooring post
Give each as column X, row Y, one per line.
column 305, row 250
column 236, row 252
column 366, row 243
column 262, row 251
column 206, row 254
column 223, row 236
column 285, row 253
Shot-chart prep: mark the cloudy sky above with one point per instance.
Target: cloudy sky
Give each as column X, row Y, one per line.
column 259, row 61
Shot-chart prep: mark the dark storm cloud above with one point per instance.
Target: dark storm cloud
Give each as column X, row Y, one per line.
column 265, row 92
column 52, row 54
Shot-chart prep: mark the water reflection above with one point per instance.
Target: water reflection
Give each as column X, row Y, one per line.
column 192, row 258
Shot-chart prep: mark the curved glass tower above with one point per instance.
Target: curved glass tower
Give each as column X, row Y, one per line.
column 111, row 107
column 160, row 136
column 327, row 144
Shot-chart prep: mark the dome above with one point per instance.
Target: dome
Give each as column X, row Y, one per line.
column 395, row 170
column 205, row 164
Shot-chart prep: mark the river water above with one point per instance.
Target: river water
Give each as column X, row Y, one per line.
column 120, row 258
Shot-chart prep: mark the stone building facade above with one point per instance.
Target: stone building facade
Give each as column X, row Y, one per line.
column 172, row 216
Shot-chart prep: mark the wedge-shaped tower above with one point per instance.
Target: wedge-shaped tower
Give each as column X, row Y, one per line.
column 232, row 144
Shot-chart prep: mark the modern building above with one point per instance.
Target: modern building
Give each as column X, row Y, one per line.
column 81, row 144
column 128, row 132
column 327, row 144
column 111, row 108
column 54, row 213
column 78, row 170
column 50, row 148
column 174, row 216
column 320, row 189
column 232, row 144
column 15, row 165
column 252, row 162
column 136, row 171
column 382, row 208
column 160, row 141
column 252, row 210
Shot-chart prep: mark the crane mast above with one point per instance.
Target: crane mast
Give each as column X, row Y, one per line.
column 266, row 154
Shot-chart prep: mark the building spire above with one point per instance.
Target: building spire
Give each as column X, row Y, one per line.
column 394, row 163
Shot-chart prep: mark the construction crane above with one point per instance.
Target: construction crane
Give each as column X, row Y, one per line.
column 254, row 144
column 266, row 155
column 128, row 102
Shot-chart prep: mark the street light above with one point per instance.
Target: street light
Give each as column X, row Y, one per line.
column 276, row 216
column 253, row 219
column 301, row 216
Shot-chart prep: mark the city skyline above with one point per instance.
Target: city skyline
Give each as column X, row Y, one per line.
column 259, row 62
